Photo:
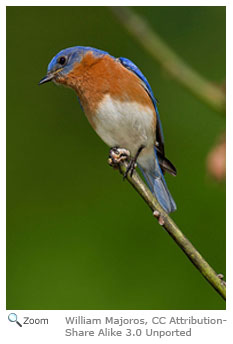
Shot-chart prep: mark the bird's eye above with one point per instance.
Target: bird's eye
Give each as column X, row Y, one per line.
column 62, row 60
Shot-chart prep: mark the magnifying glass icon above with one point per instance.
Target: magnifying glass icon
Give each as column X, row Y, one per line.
column 12, row 317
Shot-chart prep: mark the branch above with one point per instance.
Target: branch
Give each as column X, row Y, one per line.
column 169, row 225
column 169, row 60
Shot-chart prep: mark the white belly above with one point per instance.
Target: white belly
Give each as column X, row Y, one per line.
column 125, row 124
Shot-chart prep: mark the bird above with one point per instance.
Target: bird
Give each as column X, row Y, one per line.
column 119, row 103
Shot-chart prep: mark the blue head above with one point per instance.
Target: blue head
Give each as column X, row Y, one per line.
column 64, row 61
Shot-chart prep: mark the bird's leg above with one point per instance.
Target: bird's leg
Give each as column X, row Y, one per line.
column 133, row 163
column 117, row 155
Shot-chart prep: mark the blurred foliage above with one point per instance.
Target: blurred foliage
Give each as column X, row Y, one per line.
column 77, row 236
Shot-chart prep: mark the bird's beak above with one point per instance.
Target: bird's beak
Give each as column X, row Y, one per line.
column 47, row 78
column 50, row 76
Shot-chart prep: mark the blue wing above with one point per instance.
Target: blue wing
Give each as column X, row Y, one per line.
column 159, row 130
column 154, row 176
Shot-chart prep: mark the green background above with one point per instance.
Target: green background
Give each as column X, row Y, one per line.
column 77, row 236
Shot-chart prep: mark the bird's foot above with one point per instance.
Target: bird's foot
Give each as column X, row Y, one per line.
column 117, row 155
column 130, row 169
column 133, row 163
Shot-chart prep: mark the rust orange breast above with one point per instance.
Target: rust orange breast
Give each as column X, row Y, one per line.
column 95, row 77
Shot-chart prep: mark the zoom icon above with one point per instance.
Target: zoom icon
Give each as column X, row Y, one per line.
column 12, row 317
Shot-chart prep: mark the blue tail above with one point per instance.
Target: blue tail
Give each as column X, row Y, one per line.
column 156, row 182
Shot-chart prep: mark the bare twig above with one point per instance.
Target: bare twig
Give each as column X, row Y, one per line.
column 169, row 225
column 169, row 60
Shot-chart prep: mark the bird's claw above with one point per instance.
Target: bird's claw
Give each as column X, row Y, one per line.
column 130, row 169
column 133, row 163
column 117, row 155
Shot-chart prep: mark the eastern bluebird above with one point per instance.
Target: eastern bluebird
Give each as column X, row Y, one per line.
column 119, row 104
